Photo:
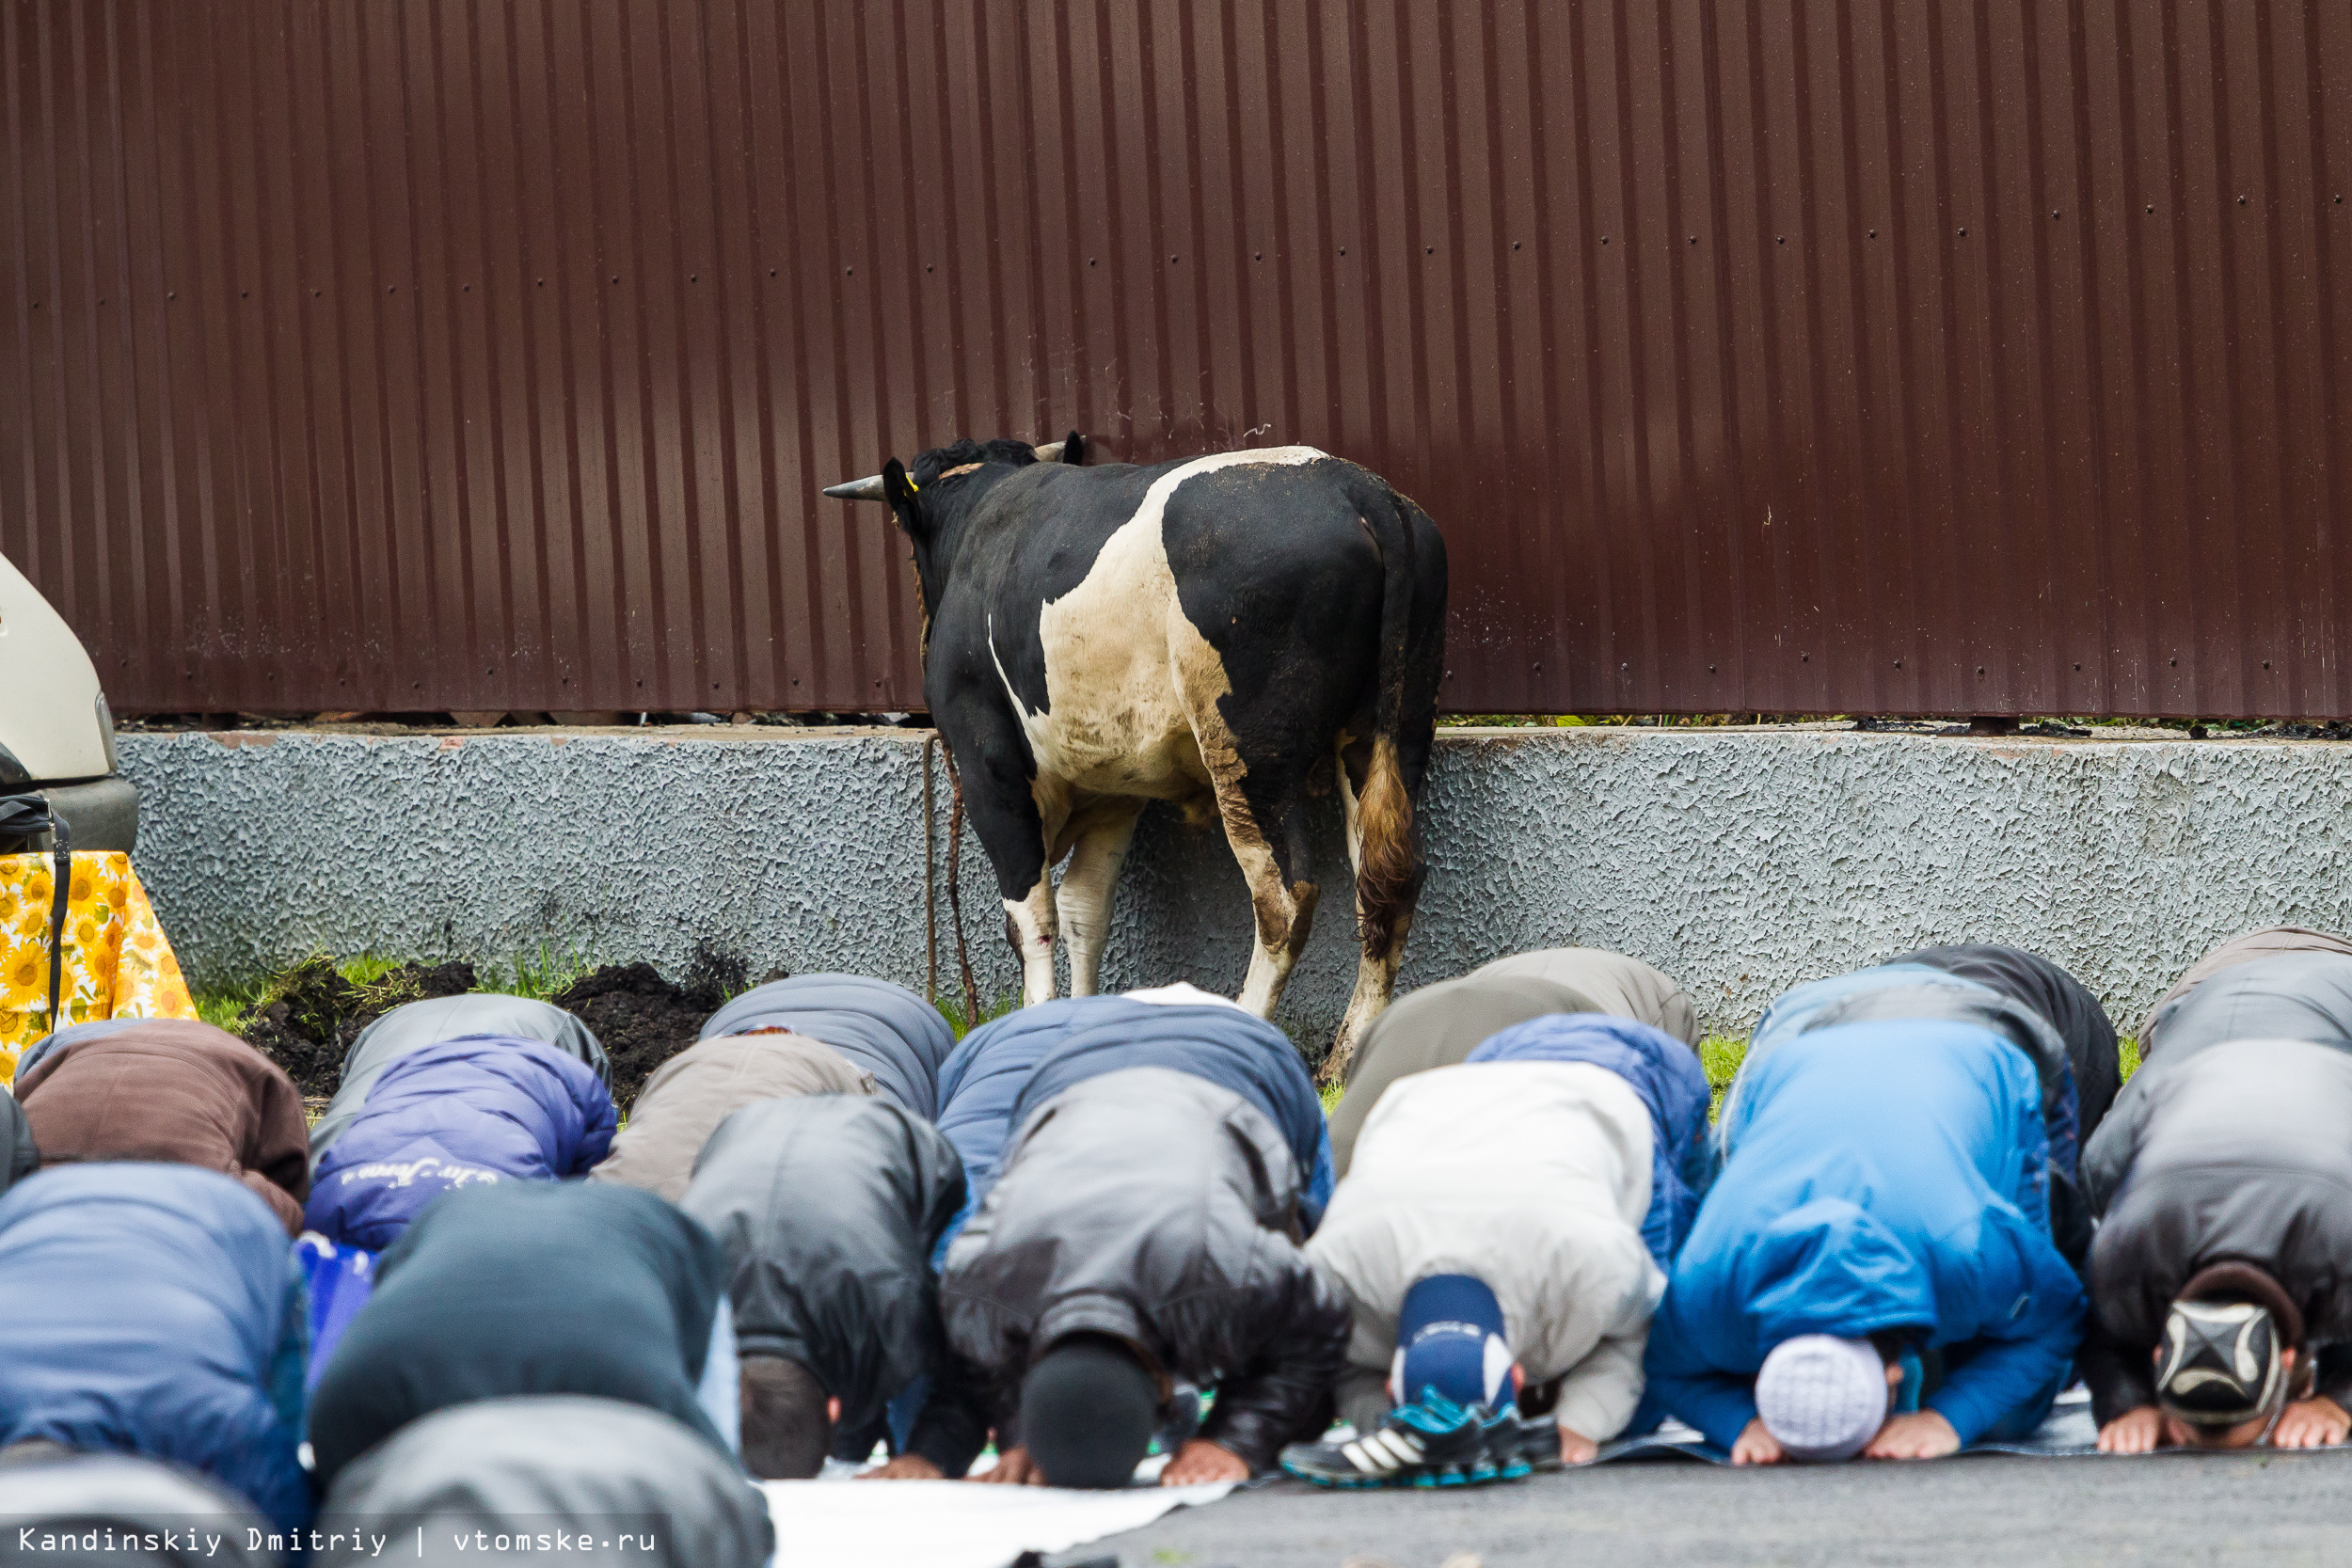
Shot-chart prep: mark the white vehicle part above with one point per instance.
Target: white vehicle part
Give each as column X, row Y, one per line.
column 52, row 717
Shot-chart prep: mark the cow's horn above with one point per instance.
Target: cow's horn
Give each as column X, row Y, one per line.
column 858, row 490
column 1050, row 452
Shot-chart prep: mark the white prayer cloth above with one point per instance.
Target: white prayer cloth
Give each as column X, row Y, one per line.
column 953, row 1524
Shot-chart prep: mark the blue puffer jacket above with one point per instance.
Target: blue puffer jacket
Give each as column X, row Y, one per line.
column 1879, row 1175
column 885, row 1028
column 1004, row 1071
column 1667, row 1076
column 154, row 1310
column 1919, row 991
column 457, row 1115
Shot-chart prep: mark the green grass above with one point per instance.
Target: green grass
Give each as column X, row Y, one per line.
column 227, row 1006
column 2130, row 1050
column 367, row 969
column 951, row 1008
column 537, row 976
column 1721, row 1055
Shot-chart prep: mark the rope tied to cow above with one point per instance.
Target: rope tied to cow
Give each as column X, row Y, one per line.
column 955, row 896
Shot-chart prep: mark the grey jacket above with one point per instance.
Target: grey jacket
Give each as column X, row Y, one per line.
column 2304, row 995
column 446, row 1018
column 1159, row 1208
column 828, row 1207
column 2234, row 1151
column 645, row 1488
column 160, row 1516
column 2237, row 950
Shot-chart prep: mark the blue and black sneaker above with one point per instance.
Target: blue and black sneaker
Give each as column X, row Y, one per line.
column 1433, row 1442
column 1518, row 1445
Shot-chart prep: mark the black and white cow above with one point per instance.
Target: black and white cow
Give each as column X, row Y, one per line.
column 1227, row 633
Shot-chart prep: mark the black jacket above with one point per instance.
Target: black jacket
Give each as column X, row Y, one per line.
column 2058, row 996
column 828, row 1207
column 1160, row 1209
column 2236, row 1151
column 525, row 1288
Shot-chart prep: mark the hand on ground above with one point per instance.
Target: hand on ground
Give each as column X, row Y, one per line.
column 2316, row 1423
column 1756, row 1445
column 1201, row 1460
column 1013, row 1468
column 907, row 1466
column 1577, row 1449
column 1922, row 1435
column 2139, row 1430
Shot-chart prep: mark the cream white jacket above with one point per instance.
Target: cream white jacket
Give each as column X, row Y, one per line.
column 1533, row 1177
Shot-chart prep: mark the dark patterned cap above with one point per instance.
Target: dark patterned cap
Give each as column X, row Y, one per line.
column 2219, row 1364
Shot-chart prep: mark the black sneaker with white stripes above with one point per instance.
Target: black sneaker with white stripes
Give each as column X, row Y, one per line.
column 1434, row 1443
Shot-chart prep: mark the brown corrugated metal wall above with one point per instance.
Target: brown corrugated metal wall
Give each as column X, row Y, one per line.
column 1900, row 356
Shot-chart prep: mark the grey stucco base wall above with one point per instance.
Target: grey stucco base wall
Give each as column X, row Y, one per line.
column 1739, row 862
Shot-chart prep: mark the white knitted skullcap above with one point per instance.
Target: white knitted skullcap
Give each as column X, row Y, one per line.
column 1822, row 1397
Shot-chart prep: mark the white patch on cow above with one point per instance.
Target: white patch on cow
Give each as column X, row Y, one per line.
column 1115, row 718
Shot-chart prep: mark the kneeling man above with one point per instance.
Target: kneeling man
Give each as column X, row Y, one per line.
column 2223, row 1182
column 1504, row 1226
column 1881, row 1214
column 1140, row 1242
column 479, row 1105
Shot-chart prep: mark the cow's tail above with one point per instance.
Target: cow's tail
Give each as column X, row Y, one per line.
column 1389, row 863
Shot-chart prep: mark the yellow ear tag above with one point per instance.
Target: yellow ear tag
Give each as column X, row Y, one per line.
column 912, row 488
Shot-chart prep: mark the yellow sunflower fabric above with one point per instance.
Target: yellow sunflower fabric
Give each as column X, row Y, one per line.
column 118, row 962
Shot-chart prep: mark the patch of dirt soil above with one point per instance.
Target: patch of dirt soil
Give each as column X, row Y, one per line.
column 641, row 1019
column 313, row 1014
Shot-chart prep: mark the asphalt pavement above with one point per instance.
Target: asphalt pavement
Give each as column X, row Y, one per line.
column 2272, row 1509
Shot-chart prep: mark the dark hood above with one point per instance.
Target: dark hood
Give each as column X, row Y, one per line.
column 525, row 1288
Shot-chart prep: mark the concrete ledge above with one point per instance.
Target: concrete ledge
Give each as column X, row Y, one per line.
column 1739, row 862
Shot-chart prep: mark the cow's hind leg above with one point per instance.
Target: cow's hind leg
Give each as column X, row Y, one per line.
column 1279, row 869
column 1375, row 973
column 1102, row 833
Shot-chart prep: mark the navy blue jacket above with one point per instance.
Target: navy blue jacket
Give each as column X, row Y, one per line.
column 463, row 1113
column 154, row 1310
column 885, row 1028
